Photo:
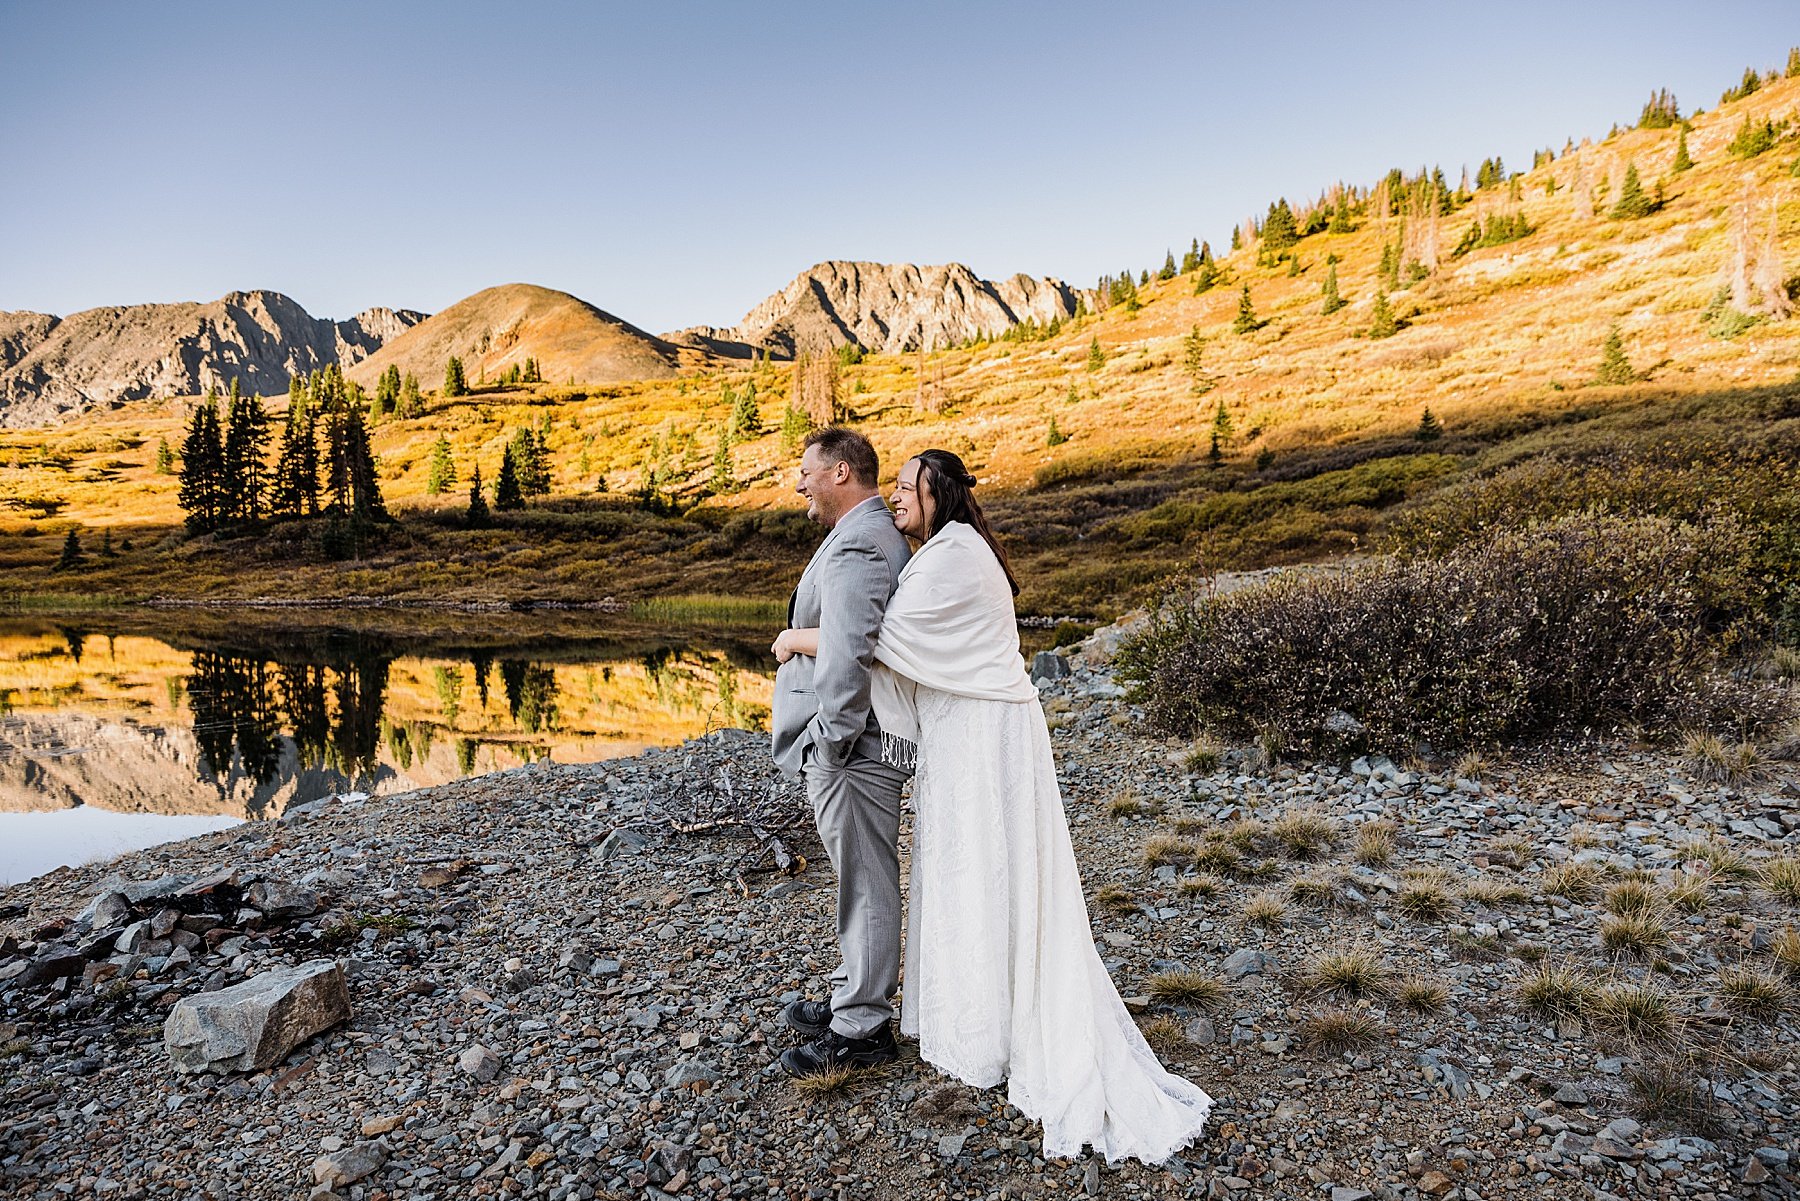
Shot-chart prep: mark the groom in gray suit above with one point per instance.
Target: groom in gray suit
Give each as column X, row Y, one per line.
column 825, row 730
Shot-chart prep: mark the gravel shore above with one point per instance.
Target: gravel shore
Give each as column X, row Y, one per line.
column 554, row 994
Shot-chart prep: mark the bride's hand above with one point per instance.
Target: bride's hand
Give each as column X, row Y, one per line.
column 784, row 646
column 789, row 643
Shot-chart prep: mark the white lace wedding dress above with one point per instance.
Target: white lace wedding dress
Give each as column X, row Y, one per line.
column 1002, row 980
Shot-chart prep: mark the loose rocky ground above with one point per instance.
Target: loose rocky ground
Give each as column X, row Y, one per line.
column 555, row 995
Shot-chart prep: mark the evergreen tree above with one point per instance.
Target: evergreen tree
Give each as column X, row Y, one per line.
column 530, row 464
column 443, row 468
column 1216, row 453
column 366, row 505
column 1332, row 302
column 1168, row 267
column 244, row 473
column 1632, row 202
column 795, row 425
column 1246, row 321
column 746, row 419
column 1054, row 436
column 72, row 555
column 1793, row 66
column 1190, row 262
column 1660, row 111
column 1096, row 358
column 1340, row 215
column 387, row 394
column 477, row 516
column 1383, row 324
column 1429, row 430
column 1615, row 368
column 1193, row 346
column 165, row 458
column 724, row 480
column 201, row 494
column 1279, row 229
column 1752, row 138
column 1683, row 161
column 1389, row 270
column 411, row 403
column 507, row 493
column 1237, row 240
column 455, row 384
column 1221, row 426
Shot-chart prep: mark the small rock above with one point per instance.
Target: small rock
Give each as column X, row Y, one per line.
column 375, row 1126
column 690, row 1071
column 348, row 1165
column 1200, row 1032
column 282, row 899
column 1246, row 961
column 1571, row 1094
column 1048, row 665
column 621, row 842
column 252, row 1025
column 479, row 1062
column 949, row 1146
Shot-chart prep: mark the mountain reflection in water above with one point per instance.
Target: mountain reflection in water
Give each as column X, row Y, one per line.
column 235, row 717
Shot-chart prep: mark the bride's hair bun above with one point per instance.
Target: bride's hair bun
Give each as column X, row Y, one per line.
column 968, row 481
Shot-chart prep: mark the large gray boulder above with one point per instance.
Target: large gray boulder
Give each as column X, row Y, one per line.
column 252, row 1025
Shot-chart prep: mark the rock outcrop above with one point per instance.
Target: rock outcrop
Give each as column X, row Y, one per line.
column 249, row 1026
column 890, row 307
column 54, row 368
column 499, row 328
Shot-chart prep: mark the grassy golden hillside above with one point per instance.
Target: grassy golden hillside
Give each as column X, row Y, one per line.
column 1502, row 344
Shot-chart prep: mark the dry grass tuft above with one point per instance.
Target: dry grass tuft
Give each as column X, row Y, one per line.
column 1126, row 803
column 1422, row 995
column 1708, row 757
column 1423, row 900
column 1321, row 888
column 1785, row 948
column 1638, row 1013
column 1168, row 850
column 1375, row 843
column 1336, row 1031
column 1246, row 834
column 1494, row 893
column 1165, row 1035
column 1305, row 833
column 1584, row 836
column 833, row 1080
column 1631, row 897
column 1754, row 993
column 1116, row 898
column 1780, row 878
column 1266, row 910
column 1200, row 886
column 1356, row 971
column 1472, row 766
column 1189, row 825
column 1187, row 988
column 1690, row 894
column 1573, row 881
column 1219, row 858
column 1554, row 991
column 1667, row 1091
column 1202, row 756
column 1633, row 933
column 1721, row 859
column 1512, row 850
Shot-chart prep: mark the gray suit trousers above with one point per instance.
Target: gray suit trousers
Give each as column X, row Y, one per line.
column 857, row 809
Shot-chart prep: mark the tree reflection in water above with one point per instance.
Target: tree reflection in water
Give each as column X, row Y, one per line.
column 333, row 710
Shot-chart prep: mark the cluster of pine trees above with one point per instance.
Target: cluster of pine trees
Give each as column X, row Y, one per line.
column 323, row 464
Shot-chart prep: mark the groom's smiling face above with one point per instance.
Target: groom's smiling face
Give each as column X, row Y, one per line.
column 821, row 481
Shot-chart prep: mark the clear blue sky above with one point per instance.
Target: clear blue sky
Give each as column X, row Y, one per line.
column 675, row 162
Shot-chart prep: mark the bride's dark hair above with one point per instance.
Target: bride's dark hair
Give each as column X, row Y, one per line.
column 952, row 492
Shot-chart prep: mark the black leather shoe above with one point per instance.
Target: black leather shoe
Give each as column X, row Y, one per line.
column 832, row 1052
column 811, row 1018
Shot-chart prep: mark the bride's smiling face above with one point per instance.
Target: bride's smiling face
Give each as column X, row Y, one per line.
column 912, row 502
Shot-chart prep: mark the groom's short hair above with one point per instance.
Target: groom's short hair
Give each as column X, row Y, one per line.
column 839, row 445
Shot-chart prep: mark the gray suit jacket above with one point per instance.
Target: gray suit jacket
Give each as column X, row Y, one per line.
column 824, row 703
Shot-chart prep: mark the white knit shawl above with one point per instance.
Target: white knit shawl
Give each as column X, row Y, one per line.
column 950, row 625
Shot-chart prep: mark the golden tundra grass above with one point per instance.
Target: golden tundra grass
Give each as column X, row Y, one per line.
column 1502, row 344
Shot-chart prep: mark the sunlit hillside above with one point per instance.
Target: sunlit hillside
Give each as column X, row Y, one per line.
column 1098, row 462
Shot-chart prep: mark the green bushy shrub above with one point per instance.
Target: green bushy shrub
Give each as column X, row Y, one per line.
column 1580, row 622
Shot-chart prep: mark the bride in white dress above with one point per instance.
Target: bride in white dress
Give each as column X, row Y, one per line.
column 1002, row 981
